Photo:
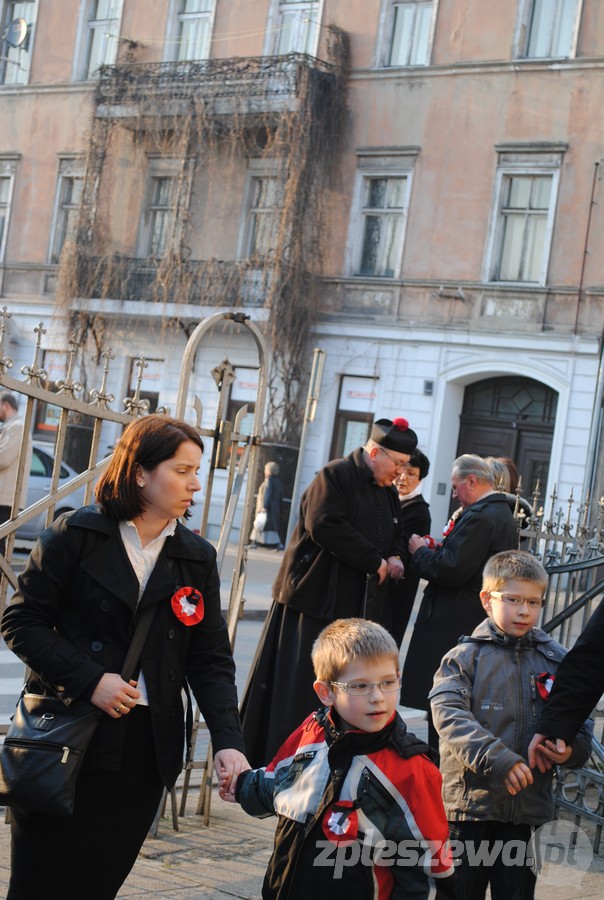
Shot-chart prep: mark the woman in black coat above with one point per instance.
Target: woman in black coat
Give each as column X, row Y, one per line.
column 415, row 519
column 71, row 622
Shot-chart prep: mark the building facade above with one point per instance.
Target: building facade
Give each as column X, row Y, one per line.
column 414, row 187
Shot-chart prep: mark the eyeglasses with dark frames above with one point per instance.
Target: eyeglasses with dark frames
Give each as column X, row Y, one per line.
column 514, row 600
column 360, row 688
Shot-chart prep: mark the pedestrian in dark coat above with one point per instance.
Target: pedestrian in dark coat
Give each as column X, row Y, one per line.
column 71, row 621
column 268, row 501
column 451, row 603
column 415, row 519
column 348, row 529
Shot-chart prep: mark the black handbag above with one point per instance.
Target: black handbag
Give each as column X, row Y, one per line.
column 46, row 741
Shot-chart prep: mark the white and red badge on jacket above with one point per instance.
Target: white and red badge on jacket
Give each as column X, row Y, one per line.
column 545, row 683
column 341, row 822
column 187, row 605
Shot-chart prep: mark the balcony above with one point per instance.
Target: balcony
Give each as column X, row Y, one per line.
column 219, row 87
column 213, row 282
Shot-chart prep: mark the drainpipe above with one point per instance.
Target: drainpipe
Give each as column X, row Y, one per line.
column 596, row 419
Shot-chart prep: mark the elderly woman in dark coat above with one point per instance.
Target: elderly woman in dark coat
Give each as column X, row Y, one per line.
column 415, row 519
column 348, row 529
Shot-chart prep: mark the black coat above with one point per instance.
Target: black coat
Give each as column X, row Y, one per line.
column 415, row 519
column 451, row 603
column 72, row 619
column 347, row 525
column 579, row 683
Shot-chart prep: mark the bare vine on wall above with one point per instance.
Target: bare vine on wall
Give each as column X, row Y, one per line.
column 209, row 118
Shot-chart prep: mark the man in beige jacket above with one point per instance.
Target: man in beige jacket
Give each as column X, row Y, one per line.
column 11, row 437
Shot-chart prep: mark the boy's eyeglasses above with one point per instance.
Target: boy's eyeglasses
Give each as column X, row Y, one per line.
column 360, row 688
column 513, row 600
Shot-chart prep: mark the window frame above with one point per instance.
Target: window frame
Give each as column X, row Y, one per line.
column 517, row 162
column 70, row 168
column 385, row 36
column 375, row 164
column 8, row 169
column 172, row 36
column 522, row 33
column 273, row 27
column 83, row 48
column 180, row 171
column 26, row 47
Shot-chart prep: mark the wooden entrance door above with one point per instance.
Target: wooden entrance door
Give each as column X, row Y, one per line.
column 513, row 417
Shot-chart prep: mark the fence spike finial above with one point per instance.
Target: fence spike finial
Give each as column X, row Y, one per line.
column 67, row 386
column 101, row 397
column 5, row 361
column 35, row 373
column 134, row 405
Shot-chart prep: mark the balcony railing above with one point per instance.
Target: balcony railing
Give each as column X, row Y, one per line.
column 253, row 78
column 213, row 282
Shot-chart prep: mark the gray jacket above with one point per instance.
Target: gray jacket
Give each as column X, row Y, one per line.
column 486, row 703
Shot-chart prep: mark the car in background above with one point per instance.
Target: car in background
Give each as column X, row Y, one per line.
column 42, row 461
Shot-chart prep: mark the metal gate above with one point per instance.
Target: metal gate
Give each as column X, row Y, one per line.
column 231, row 450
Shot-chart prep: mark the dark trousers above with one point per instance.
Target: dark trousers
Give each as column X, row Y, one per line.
column 88, row 856
column 504, row 849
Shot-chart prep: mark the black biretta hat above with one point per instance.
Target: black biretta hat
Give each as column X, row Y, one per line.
column 395, row 435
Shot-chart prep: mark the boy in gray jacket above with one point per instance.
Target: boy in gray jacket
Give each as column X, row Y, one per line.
column 487, row 696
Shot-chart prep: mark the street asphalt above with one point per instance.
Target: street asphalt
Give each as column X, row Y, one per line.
column 227, row 859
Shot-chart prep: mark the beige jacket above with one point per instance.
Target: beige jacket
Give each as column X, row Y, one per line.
column 11, row 435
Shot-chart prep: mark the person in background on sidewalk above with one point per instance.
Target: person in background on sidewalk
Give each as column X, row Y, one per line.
column 487, row 695
column 348, row 529
column 71, row 622
column 351, row 778
column 415, row 519
column 451, row 602
column 268, row 501
column 11, row 437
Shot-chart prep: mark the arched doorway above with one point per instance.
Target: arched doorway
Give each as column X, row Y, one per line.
column 510, row 416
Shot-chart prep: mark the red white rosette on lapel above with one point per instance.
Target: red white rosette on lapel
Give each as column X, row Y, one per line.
column 187, row 605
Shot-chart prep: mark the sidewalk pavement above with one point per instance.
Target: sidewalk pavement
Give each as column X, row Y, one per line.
column 228, row 858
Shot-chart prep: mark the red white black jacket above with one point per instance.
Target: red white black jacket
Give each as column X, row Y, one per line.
column 360, row 814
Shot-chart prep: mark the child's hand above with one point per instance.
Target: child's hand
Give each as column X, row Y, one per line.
column 544, row 752
column 519, row 777
column 224, row 789
column 556, row 751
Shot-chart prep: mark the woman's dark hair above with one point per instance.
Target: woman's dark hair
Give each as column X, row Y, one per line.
column 146, row 442
column 420, row 461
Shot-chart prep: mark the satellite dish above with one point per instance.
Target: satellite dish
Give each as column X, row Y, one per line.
column 16, row 33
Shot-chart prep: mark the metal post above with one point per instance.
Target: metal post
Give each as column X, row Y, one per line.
column 314, row 390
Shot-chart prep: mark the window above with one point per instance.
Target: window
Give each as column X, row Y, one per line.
column 264, row 215
column 298, row 26
column 410, row 30
column 194, row 29
column 16, row 28
column 103, row 33
column 158, row 216
column 527, row 185
column 67, row 205
column 7, row 174
column 548, row 28
column 354, row 417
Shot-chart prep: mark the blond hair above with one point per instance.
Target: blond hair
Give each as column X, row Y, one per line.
column 512, row 564
column 347, row 640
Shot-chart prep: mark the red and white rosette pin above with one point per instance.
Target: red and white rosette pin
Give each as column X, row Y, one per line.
column 341, row 822
column 187, row 605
